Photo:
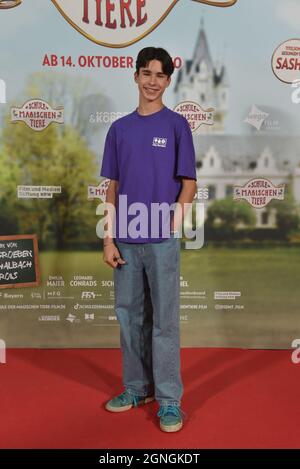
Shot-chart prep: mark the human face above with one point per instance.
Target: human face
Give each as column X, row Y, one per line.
column 152, row 81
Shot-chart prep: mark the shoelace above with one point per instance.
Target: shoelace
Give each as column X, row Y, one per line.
column 124, row 398
column 171, row 409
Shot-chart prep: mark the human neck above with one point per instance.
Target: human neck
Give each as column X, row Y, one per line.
column 149, row 107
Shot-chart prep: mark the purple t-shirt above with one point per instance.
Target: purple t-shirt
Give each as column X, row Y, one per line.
column 147, row 155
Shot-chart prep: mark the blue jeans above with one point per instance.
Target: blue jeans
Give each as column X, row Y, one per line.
column 147, row 308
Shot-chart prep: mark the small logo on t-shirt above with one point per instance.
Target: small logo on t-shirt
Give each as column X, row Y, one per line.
column 159, row 142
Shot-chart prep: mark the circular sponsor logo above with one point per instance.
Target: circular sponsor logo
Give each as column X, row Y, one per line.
column 5, row 4
column 286, row 61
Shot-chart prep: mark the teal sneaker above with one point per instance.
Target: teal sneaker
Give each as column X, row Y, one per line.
column 170, row 418
column 126, row 401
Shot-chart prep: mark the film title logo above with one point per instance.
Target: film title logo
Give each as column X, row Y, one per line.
column 98, row 192
column 286, row 61
column 37, row 114
column 259, row 192
column 5, row 4
column 195, row 115
column 119, row 23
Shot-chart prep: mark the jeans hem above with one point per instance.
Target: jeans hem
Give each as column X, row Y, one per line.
column 138, row 393
column 168, row 402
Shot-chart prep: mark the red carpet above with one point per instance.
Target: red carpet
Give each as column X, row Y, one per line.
column 233, row 399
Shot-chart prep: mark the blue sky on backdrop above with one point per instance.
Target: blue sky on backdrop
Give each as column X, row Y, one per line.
column 245, row 35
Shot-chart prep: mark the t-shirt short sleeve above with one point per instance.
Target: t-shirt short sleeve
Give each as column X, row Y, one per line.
column 110, row 167
column 186, row 158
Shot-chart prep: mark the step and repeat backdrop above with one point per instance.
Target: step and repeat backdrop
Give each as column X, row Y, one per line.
column 66, row 73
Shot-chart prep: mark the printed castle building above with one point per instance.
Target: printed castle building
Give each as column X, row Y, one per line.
column 206, row 83
column 224, row 160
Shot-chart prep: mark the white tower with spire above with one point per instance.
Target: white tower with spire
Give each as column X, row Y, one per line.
column 204, row 82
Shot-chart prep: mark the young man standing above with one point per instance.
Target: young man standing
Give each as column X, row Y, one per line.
column 149, row 158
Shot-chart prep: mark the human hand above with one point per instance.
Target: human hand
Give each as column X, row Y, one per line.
column 111, row 255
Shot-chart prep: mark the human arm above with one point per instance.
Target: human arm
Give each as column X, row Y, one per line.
column 111, row 254
column 186, row 171
column 185, row 199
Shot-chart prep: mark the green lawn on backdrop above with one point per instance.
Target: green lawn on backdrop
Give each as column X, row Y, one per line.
column 268, row 279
